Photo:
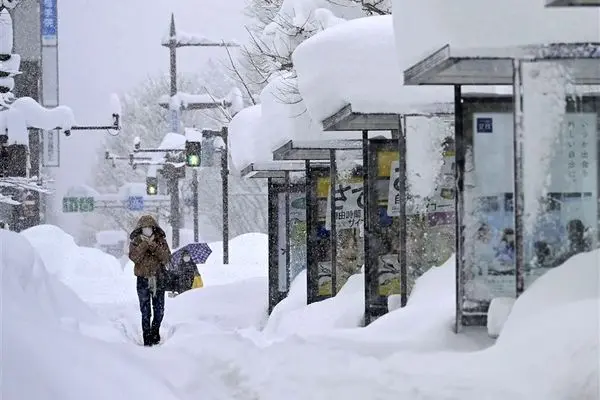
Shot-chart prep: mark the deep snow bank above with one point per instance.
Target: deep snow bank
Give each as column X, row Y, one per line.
column 42, row 356
column 23, row 270
column 237, row 305
column 293, row 317
column 96, row 277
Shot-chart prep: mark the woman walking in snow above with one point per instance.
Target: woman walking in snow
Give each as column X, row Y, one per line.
column 149, row 251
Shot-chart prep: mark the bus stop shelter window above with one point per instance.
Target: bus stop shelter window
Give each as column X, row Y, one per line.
column 513, row 229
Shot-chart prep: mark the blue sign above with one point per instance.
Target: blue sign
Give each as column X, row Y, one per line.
column 485, row 125
column 49, row 22
column 135, row 203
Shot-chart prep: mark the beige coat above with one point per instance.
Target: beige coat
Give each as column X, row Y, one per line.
column 148, row 255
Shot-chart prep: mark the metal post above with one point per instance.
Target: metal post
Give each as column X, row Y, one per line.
column 225, row 194
column 518, row 197
column 366, row 224
column 173, row 73
column 401, row 135
column 332, row 214
column 173, row 186
column 286, row 187
column 196, row 205
column 459, row 201
column 173, row 180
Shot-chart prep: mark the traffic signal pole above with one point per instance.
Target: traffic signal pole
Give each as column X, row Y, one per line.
column 196, row 204
column 174, row 187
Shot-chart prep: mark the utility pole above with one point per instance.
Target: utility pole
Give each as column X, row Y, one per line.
column 175, row 109
column 225, row 193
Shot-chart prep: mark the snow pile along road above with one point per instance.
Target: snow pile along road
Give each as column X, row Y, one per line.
column 44, row 359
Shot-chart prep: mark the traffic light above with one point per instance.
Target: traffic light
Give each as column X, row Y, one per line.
column 193, row 153
column 151, row 186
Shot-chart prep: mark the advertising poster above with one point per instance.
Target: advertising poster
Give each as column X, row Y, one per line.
column 566, row 224
column 388, row 266
column 349, row 206
column 297, row 234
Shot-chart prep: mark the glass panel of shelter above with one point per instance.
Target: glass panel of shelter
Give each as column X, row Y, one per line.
column 318, row 236
column 349, row 215
column 562, row 223
column 430, row 221
column 382, row 244
column 561, row 216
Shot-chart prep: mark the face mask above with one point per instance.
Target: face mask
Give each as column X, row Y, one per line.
column 147, row 231
column 186, row 258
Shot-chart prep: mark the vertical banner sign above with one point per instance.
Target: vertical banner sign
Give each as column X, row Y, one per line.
column 51, row 148
column 49, row 69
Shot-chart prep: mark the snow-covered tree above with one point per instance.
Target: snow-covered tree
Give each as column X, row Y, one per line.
column 143, row 117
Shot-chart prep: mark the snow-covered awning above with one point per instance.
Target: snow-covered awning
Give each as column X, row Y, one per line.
column 424, row 26
column 494, row 66
column 273, row 169
column 354, row 63
column 572, row 3
column 318, row 150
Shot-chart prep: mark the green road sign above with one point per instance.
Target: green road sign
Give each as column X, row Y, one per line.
column 78, row 204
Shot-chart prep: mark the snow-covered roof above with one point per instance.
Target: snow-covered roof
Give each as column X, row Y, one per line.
column 355, row 63
column 424, row 26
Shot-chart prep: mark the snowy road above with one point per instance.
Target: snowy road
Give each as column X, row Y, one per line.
column 201, row 357
column 218, row 344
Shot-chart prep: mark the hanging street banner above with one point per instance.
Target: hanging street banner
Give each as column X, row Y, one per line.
column 51, row 148
column 349, row 206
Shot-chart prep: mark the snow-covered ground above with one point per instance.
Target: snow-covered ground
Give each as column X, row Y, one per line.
column 70, row 331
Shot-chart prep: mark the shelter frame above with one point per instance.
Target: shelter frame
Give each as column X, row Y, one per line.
column 278, row 183
column 320, row 162
column 472, row 67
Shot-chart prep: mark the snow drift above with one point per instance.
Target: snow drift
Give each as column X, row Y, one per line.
column 41, row 356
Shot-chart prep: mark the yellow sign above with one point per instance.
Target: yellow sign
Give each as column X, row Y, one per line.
column 384, row 162
column 322, row 187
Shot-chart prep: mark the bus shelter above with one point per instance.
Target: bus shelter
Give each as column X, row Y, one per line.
column 388, row 223
column 516, row 223
column 324, row 278
column 286, row 222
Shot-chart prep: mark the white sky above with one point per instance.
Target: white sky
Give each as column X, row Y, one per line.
column 109, row 46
